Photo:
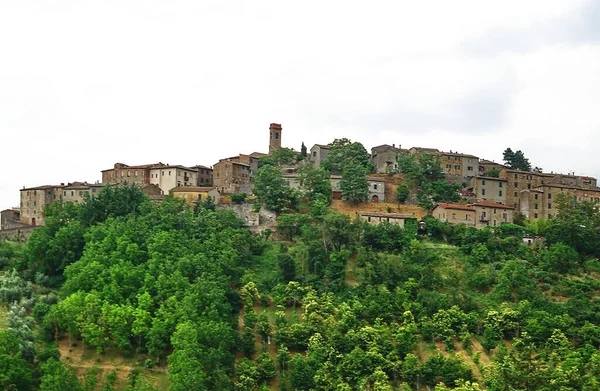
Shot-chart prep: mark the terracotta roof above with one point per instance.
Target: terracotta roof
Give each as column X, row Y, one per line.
column 233, row 162
column 44, row 187
column 455, row 206
column 143, row 166
column 488, row 204
column 191, row 189
column 375, row 179
column 175, row 166
column 390, row 215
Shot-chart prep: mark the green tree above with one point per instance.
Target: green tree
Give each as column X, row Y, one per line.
column 344, row 152
column 56, row 377
column 402, row 193
column 272, row 190
column 317, row 182
column 354, row 185
column 15, row 371
column 303, row 151
column 516, row 160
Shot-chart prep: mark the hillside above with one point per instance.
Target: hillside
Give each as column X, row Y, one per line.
column 136, row 296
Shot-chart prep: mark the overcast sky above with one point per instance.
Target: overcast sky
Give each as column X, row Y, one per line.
column 85, row 84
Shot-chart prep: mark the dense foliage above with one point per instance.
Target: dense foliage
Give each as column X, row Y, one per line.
column 336, row 303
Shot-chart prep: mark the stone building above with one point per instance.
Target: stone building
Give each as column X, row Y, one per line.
column 11, row 219
column 376, row 189
column 489, row 189
column 454, row 213
column 540, row 202
column 459, row 164
column 122, row 173
column 229, row 176
column 485, row 166
column 416, row 151
column 204, row 175
column 385, row 158
column 492, row 214
column 167, row 177
column 318, row 154
column 274, row 137
column 78, row 192
column 35, row 199
column 517, row 180
column 192, row 194
column 378, row 217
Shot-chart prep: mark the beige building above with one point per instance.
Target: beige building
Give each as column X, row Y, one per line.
column 167, row 177
column 376, row 189
column 318, row 154
column 454, row 213
column 385, row 158
column 489, row 189
column 35, row 199
column 230, row 176
column 491, row 214
column 377, row 218
column 517, row 180
column 192, row 194
column 459, row 164
column 540, row 202
column 77, row 192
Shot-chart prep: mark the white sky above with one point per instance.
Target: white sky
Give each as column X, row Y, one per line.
column 85, row 84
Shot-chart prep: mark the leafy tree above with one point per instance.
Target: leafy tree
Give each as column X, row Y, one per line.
column 271, row 189
column 492, row 173
column 516, row 160
column 317, row 182
column 238, row 198
column 303, row 151
column 284, row 156
column 354, row 185
column 343, row 153
column 402, row 193
column 56, row 377
column 15, row 371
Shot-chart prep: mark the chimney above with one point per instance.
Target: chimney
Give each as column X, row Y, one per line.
column 394, row 145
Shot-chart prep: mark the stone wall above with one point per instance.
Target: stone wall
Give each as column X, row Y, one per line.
column 19, row 234
column 245, row 212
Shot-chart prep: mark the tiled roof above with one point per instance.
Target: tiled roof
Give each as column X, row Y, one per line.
column 488, row 204
column 191, row 189
column 390, row 215
column 455, row 206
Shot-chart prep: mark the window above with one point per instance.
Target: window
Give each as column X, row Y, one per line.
column 516, row 184
column 128, row 173
column 549, row 196
column 535, row 206
column 499, row 184
column 549, row 205
column 314, row 153
column 469, row 168
column 529, row 185
column 276, row 136
column 494, row 210
column 72, row 193
column 448, row 165
column 516, row 194
column 535, row 196
column 483, row 182
column 482, row 191
column 516, row 176
column 374, row 187
column 499, row 193
column 163, row 173
column 457, row 167
column 535, row 215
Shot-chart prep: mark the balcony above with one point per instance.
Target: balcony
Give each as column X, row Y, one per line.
column 483, row 217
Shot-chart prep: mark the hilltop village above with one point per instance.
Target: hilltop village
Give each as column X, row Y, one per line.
column 490, row 193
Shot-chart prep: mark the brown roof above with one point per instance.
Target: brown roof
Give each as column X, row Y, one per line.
column 491, row 178
column 44, row 187
column 233, row 162
column 455, row 206
column 390, row 215
column 322, row 146
column 458, row 154
column 198, row 189
column 488, row 204
column 375, row 179
column 550, row 184
column 529, row 172
column 125, row 166
column 172, row 166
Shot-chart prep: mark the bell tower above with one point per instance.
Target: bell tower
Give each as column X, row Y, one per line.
column 275, row 137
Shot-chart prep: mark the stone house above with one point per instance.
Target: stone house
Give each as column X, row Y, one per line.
column 122, row 174
column 230, row 176
column 11, row 219
column 204, row 175
column 192, row 194
column 492, row 214
column 385, row 158
column 486, row 166
column 540, row 202
column 377, row 218
column 459, row 164
column 35, row 199
column 517, row 180
column 78, row 192
column 376, row 189
column 167, row 177
column 489, row 189
column 455, row 213
column 318, row 154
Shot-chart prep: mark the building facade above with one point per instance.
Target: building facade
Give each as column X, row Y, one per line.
column 459, row 164
column 231, row 176
column 204, row 175
column 491, row 214
column 385, row 158
column 192, row 194
column 454, row 213
column 378, row 218
column 124, row 174
column 489, row 189
column 318, row 154
column 167, row 177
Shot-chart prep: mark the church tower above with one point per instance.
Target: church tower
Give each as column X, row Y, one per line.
column 275, row 137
